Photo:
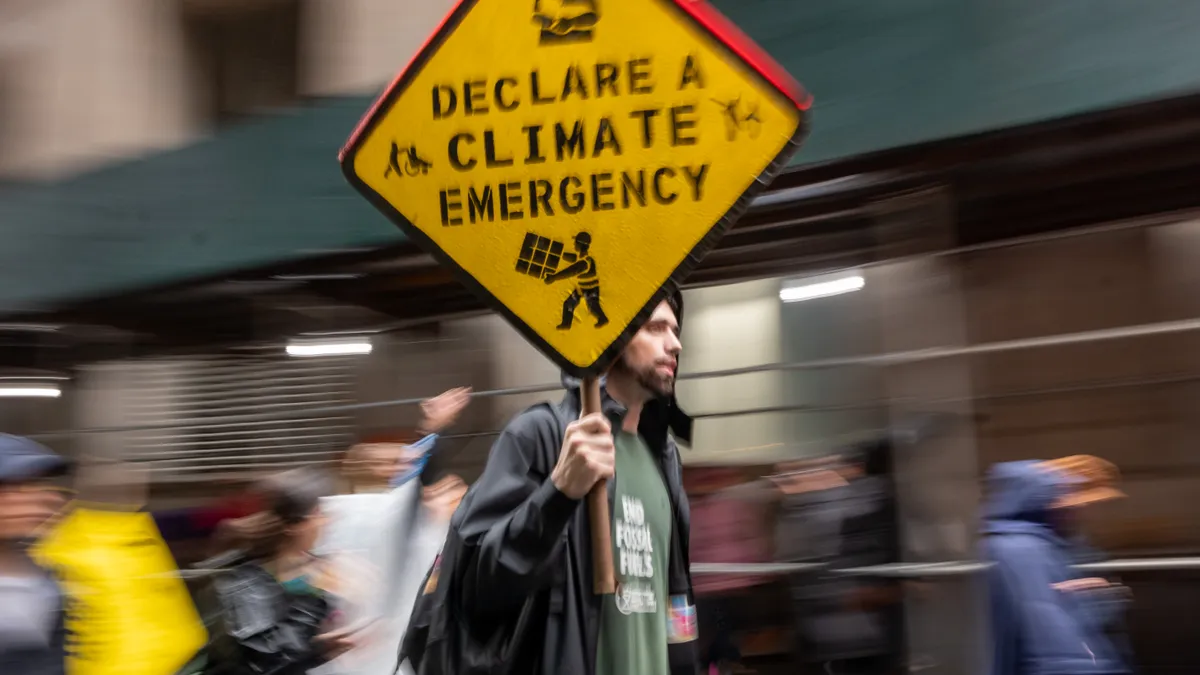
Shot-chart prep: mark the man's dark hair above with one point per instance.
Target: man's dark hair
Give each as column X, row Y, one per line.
column 675, row 301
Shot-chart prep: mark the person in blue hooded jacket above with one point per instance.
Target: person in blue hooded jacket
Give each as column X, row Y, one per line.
column 1041, row 623
column 33, row 634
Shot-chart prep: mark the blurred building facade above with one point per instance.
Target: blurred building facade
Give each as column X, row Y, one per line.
column 951, row 328
column 88, row 83
column 1063, row 343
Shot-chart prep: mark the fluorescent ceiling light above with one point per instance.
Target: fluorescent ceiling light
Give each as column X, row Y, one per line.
column 822, row 289
column 317, row 277
column 329, row 348
column 30, row 392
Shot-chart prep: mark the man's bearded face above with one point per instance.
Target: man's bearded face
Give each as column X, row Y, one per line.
column 652, row 356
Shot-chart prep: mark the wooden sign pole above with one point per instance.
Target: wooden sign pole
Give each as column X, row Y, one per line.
column 604, row 577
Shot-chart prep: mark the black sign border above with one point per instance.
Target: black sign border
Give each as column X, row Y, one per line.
column 385, row 102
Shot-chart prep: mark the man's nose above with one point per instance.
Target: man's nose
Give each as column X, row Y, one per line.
column 674, row 346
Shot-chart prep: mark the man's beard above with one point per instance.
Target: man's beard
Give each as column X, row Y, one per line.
column 648, row 378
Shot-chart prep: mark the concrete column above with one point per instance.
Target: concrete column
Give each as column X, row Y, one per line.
column 513, row 362
column 128, row 394
column 734, row 326
column 357, row 46
column 506, row 360
column 826, row 328
column 1168, row 459
column 920, row 305
column 97, row 79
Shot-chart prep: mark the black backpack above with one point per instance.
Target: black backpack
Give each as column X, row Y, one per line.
column 439, row 641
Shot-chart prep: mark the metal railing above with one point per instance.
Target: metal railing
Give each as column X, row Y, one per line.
column 957, row 568
column 322, row 412
column 940, row 570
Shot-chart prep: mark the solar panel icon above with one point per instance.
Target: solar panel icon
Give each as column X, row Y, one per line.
column 539, row 256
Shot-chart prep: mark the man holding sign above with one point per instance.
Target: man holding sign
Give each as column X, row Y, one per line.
column 634, row 132
column 524, row 531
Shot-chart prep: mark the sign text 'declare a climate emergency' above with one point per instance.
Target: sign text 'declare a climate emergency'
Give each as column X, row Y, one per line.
column 570, row 156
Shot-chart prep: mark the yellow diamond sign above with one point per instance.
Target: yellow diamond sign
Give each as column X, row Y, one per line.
column 574, row 159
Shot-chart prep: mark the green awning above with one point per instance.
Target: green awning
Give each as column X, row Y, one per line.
column 889, row 73
column 884, row 73
column 264, row 192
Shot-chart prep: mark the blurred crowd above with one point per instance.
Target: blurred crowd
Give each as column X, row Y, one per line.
column 839, row 513
column 305, row 575
column 318, row 573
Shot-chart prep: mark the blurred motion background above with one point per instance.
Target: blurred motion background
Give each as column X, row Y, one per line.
column 986, row 251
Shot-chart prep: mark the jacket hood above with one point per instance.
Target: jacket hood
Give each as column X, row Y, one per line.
column 1021, row 497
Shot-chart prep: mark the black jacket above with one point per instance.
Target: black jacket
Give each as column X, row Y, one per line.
column 261, row 629
column 520, row 538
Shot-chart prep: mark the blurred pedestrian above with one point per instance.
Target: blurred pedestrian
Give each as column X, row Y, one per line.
column 276, row 600
column 377, row 468
column 386, row 533
column 32, row 606
column 728, row 526
column 1040, row 625
column 841, row 512
column 1094, row 482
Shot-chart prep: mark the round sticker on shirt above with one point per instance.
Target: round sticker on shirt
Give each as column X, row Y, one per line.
column 634, row 598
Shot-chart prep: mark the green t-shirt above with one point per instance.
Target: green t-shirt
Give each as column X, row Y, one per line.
column 633, row 623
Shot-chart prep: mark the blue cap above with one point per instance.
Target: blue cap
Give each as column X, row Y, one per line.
column 22, row 459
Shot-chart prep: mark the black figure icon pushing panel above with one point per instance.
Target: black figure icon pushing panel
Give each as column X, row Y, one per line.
column 587, row 284
column 565, row 20
column 405, row 160
column 539, row 258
